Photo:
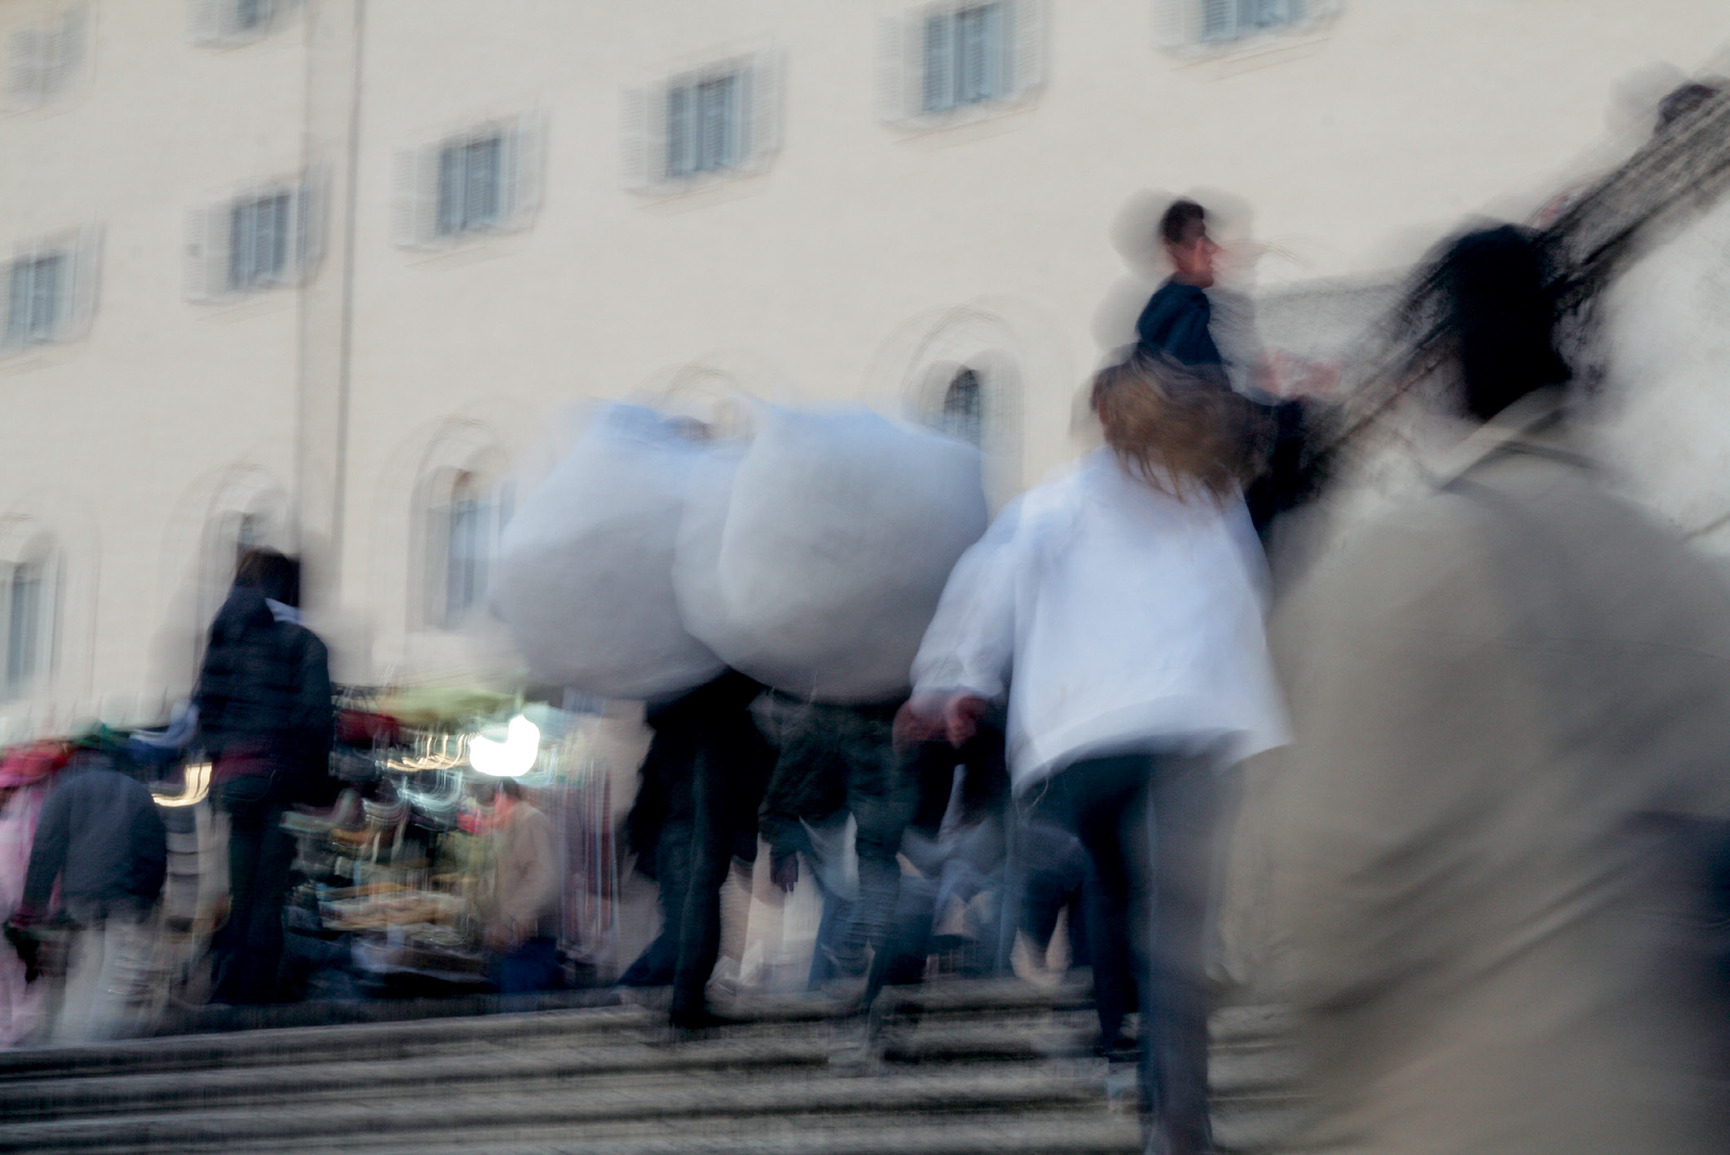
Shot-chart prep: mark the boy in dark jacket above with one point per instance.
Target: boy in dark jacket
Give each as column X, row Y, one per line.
column 101, row 838
column 1176, row 325
column 266, row 713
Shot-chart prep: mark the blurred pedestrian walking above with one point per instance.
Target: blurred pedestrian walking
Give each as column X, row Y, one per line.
column 1127, row 598
column 101, row 840
column 267, row 719
column 1511, row 697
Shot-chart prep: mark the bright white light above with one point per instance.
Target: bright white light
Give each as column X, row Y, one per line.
column 194, row 787
column 513, row 757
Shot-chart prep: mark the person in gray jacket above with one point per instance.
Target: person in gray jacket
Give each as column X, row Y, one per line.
column 101, row 838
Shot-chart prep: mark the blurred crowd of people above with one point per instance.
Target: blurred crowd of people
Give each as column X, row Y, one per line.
column 1500, row 716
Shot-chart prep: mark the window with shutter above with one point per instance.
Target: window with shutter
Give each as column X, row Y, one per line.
column 262, row 239
column 719, row 121
column 37, row 290
column 963, row 59
column 468, row 184
column 230, row 23
column 251, row 15
column 485, row 179
column 258, row 242
column 705, row 124
column 43, row 62
column 29, row 588
column 1187, row 23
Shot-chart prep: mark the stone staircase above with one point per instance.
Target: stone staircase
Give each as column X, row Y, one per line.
column 970, row 1068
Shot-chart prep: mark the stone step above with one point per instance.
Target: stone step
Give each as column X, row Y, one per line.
column 397, row 1040
column 738, row 1051
column 967, row 1068
column 697, row 1105
column 1094, row 1134
column 634, row 1046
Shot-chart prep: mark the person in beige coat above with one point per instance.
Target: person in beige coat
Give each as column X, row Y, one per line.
column 521, row 910
column 1508, row 698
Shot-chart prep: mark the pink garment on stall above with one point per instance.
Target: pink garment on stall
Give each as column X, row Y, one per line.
column 21, row 1005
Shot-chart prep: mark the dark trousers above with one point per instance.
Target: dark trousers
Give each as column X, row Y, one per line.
column 703, row 779
column 533, row 965
column 1147, row 821
column 917, row 800
column 260, row 860
column 695, row 851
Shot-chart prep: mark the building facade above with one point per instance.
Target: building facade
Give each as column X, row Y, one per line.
column 324, row 273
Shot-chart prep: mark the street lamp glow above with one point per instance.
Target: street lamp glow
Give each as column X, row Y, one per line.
column 513, row 757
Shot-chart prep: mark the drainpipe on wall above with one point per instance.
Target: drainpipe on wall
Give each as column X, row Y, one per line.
column 330, row 155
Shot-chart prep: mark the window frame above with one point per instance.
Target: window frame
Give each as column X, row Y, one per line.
column 219, row 23
column 426, row 214
column 76, row 256
column 696, row 106
column 44, row 60
column 456, row 212
column 701, row 124
column 1183, row 26
column 964, row 423
column 992, row 55
column 28, row 325
column 459, row 504
column 974, row 47
column 250, row 268
column 43, row 627
column 223, row 239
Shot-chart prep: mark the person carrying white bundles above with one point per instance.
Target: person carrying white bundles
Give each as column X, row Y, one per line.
column 1127, row 598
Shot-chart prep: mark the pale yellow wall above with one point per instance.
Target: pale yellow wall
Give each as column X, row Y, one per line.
column 863, row 251
column 136, row 426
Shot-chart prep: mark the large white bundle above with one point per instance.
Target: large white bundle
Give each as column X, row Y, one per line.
column 584, row 576
column 1669, row 358
column 839, row 532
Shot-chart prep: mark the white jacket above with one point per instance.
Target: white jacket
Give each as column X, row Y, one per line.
column 1128, row 617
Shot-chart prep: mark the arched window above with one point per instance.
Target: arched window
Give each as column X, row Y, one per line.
column 963, row 412
column 31, row 588
column 464, row 518
column 228, row 534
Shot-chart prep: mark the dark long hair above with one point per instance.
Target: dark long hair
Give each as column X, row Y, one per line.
column 1492, row 295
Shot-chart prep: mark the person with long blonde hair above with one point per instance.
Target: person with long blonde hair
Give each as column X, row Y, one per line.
column 1119, row 609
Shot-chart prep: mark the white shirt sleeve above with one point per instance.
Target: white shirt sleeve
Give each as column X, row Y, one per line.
column 970, row 643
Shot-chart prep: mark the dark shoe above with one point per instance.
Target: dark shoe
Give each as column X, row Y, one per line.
column 700, row 1019
column 1122, row 1049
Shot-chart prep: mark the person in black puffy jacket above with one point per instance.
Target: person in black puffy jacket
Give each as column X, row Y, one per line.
column 267, row 719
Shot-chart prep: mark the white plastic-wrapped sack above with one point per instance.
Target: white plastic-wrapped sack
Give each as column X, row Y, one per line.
column 584, row 577
column 839, row 532
column 1668, row 328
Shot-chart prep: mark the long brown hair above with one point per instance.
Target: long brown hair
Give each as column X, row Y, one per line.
column 1175, row 429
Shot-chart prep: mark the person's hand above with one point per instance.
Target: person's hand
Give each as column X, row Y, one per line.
column 918, row 720
column 784, row 871
column 933, row 716
column 961, row 716
column 501, row 937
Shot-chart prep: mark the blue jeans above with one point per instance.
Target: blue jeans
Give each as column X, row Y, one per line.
column 1147, row 821
column 532, row 966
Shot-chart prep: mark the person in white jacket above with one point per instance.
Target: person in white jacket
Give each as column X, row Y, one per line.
column 1120, row 610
